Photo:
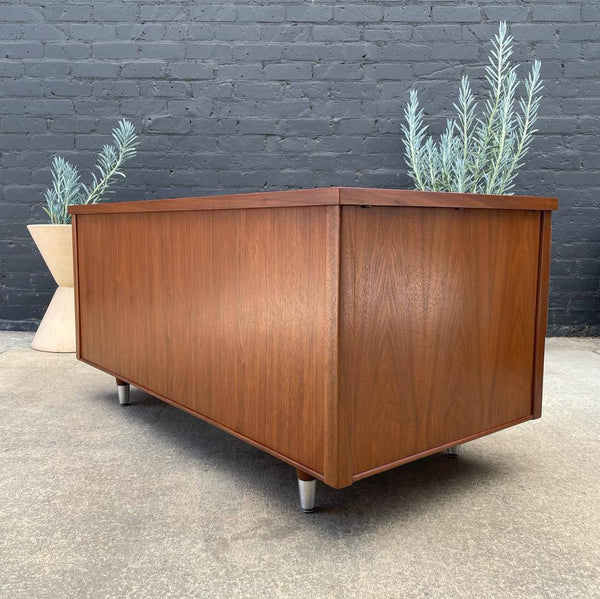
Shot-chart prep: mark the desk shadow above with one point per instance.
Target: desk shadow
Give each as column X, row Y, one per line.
column 397, row 495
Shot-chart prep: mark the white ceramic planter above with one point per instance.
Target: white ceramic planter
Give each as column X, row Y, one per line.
column 56, row 332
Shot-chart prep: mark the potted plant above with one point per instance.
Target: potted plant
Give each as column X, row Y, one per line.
column 477, row 154
column 56, row 332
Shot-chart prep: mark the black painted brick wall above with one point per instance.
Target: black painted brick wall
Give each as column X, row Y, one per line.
column 236, row 96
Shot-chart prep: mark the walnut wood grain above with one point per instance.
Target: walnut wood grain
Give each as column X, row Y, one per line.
column 224, row 312
column 439, row 322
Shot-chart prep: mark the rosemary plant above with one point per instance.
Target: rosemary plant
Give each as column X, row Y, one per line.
column 477, row 154
column 65, row 191
column 67, row 188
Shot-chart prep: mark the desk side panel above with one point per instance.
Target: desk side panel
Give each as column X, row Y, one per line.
column 226, row 313
column 438, row 330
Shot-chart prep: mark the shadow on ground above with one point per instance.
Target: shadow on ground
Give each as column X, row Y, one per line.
column 396, row 494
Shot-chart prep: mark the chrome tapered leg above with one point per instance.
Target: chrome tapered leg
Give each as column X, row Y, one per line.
column 123, row 391
column 307, row 486
column 453, row 451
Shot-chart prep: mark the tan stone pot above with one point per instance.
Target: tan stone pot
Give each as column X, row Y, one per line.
column 56, row 332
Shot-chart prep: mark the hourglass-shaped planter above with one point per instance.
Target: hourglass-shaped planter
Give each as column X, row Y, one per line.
column 56, row 332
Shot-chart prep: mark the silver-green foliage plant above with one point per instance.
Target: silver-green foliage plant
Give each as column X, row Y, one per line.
column 477, row 154
column 67, row 188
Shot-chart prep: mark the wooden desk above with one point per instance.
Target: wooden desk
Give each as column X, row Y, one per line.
column 344, row 331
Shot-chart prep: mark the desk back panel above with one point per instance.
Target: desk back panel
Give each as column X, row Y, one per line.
column 227, row 313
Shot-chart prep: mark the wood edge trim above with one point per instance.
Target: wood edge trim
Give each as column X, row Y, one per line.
column 292, row 198
column 345, row 412
column 541, row 311
column 224, row 428
column 428, row 452
column 354, row 196
column 331, row 407
column 76, row 285
column 324, row 196
column 337, row 459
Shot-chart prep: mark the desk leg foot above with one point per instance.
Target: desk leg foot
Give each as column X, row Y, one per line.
column 453, row 451
column 306, row 485
column 123, row 391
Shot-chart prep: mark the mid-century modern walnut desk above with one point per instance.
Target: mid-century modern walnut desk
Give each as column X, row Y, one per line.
column 344, row 331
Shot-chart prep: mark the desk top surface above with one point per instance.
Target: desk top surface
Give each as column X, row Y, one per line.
column 325, row 196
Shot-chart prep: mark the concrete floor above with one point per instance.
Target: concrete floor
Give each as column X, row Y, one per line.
column 98, row 500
